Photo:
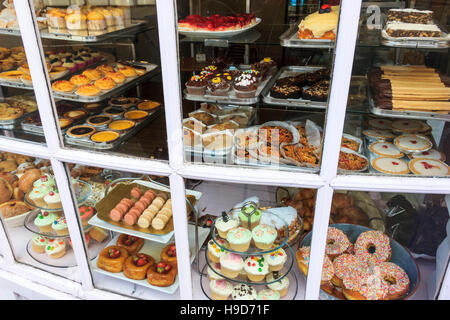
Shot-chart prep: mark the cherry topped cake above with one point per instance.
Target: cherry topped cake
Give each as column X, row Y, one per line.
column 385, row 149
column 390, row 165
column 428, row 167
column 430, row 154
column 412, row 143
column 380, row 124
column 216, row 22
column 407, row 126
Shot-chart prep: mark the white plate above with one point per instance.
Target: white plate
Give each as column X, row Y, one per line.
column 154, row 249
column 16, row 221
column 219, row 34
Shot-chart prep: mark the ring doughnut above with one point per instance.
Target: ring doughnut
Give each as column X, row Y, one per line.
column 396, row 279
column 373, row 247
column 337, row 243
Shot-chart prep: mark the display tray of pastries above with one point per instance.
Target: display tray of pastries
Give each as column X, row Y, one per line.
column 349, row 265
column 107, row 128
column 15, row 108
column 114, row 79
column 138, row 208
column 61, row 64
column 230, row 84
column 298, row 87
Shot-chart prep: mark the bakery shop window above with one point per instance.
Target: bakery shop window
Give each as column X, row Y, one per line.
column 247, row 100
column 382, row 246
column 104, row 66
column 399, row 88
column 32, row 214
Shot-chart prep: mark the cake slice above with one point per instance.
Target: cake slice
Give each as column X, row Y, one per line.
column 409, row 30
column 410, row 16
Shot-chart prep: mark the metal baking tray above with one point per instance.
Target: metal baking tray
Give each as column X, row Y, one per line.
column 230, row 98
column 416, row 42
column 135, row 26
column 279, row 166
column 129, row 83
column 286, row 72
column 420, row 115
column 289, row 39
column 87, row 143
column 13, row 123
column 19, row 84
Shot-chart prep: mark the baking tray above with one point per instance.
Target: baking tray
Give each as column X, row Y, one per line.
column 129, row 83
column 154, row 249
column 87, row 143
column 406, row 114
column 13, row 123
column 416, row 42
column 20, row 85
column 285, row 72
column 231, row 98
column 289, row 39
column 132, row 28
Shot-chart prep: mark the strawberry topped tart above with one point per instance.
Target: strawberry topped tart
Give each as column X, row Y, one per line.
column 216, row 22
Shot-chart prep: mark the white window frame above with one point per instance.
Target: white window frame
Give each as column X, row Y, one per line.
column 176, row 169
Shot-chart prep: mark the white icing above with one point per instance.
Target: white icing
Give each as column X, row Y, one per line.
column 412, row 142
column 380, row 124
column 243, row 292
column 279, row 285
column 55, row 246
column 430, row 154
column 226, row 226
column 221, row 287
column 411, row 10
column 385, row 149
column 394, row 25
column 438, row 169
column 214, row 249
column 387, row 164
column 253, row 266
column 276, row 257
column 231, row 261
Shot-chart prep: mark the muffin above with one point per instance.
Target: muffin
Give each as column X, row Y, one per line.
column 220, row 289
column 60, row 226
column 44, row 221
column 239, row 239
column 264, row 235
column 231, row 265
column 196, row 85
column 53, row 199
column 218, row 87
column 276, row 259
column 256, row 268
column 245, row 86
column 39, row 243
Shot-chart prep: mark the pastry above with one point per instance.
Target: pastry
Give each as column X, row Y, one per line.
column 81, row 131
column 117, row 77
column 63, row 86
column 320, row 25
column 79, row 80
column 105, row 83
column 220, row 289
column 428, row 167
column 88, row 90
column 204, row 117
column 239, row 239
column 430, row 154
column 245, row 86
column 281, row 286
column 25, row 181
column 352, row 161
column 216, row 249
column 135, row 115
column 169, row 254
column 124, row 102
column 105, row 68
column 263, row 236
column 390, row 165
column 214, row 271
column 224, row 224
column 412, row 143
column 255, row 216
column 121, row 125
column 77, row 24
column 114, row 111
column 39, row 243
column 148, row 105
column 196, row 85
column 276, row 259
column 8, row 165
column 231, row 265
column 92, row 74
column 13, row 208
column 112, row 259
column 216, row 22
column 136, row 266
column 410, row 15
column 96, row 23
column 243, row 292
column 55, row 248
column 99, row 121
column 105, row 136
column 128, row 72
column 60, row 226
column 64, row 123
column 53, row 199
column 75, row 114
column 407, row 126
column 162, row 274
column 378, row 135
column 406, row 30
column 380, row 124
column 217, row 86
column 131, row 243
column 98, row 234
column 93, row 107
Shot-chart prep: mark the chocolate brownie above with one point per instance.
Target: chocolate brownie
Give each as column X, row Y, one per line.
column 318, row 91
column 286, row 91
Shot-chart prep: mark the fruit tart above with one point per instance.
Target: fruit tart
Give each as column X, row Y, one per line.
column 112, row 259
column 130, row 243
column 136, row 266
column 162, row 274
column 169, row 254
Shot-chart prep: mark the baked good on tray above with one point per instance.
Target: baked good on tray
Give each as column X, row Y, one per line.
column 216, row 22
column 428, row 167
column 63, row 86
column 318, row 91
column 131, row 243
column 410, row 15
column 351, row 161
column 137, row 265
column 162, row 274
column 390, row 165
column 412, row 30
column 320, row 25
column 112, row 259
column 286, row 91
column 88, row 90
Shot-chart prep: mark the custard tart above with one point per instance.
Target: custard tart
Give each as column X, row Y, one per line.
column 105, row 83
column 92, row 74
column 95, row 106
column 63, row 86
column 13, row 75
column 75, row 114
column 124, row 102
column 58, row 72
column 135, row 115
column 116, row 76
column 80, row 80
column 105, row 68
column 148, row 105
column 105, row 136
column 64, row 123
column 98, row 121
column 88, row 90
column 128, row 72
column 81, row 131
column 121, row 125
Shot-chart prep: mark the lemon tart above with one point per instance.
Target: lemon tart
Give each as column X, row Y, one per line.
column 135, row 115
column 105, row 136
column 121, row 125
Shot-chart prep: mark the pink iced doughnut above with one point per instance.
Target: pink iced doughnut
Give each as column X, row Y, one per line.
column 373, row 247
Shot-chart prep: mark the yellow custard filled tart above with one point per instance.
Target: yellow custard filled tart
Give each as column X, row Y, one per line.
column 135, row 115
column 88, row 90
column 148, row 105
column 121, row 125
column 98, row 121
column 63, row 86
column 105, row 136
column 81, row 131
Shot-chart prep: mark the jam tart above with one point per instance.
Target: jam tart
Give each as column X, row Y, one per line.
column 105, row 136
column 121, row 125
column 99, row 120
column 124, row 102
column 114, row 111
column 135, row 115
column 81, row 131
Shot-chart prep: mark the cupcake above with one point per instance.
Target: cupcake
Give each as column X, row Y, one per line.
column 39, row 243
column 70, row 65
column 196, row 85
column 44, row 221
column 80, row 62
column 268, row 294
column 225, row 224
column 245, row 86
column 276, row 259
column 264, row 235
column 218, row 87
column 281, row 286
column 243, row 292
column 60, row 226
column 239, row 239
column 255, row 73
column 256, row 268
column 231, row 265
column 86, row 213
column 254, row 218
column 215, row 251
column 214, row 275
column 55, row 248
column 220, row 289
column 53, row 199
